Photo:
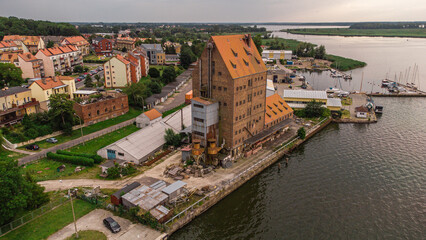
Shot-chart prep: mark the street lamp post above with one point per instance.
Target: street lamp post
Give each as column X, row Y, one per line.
column 73, row 214
column 81, row 127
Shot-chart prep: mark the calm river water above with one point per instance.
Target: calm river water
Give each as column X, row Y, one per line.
column 347, row 182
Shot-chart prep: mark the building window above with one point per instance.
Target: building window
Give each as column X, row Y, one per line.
column 214, row 87
column 198, row 106
column 219, row 88
column 106, row 109
column 219, row 73
column 120, row 154
column 236, row 132
column 236, row 118
column 198, row 120
column 225, row 89
column 97, row 112
column 236, row 104
column 224, row 104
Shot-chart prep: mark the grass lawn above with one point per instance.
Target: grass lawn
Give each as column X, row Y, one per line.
column 9, row 155
column 162, row 67
column 132, row 113
column 166, row 113
column 53, row 221
column 290, row 43
column 409, row 32
column 45, row 169
column 88, row 235
column 346, row 101
column 346, row 114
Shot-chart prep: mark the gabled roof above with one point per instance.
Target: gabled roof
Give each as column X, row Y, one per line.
column 12, row 90
column 275, row 108
column 9, row 56
column 126, row 189
column 239, row 54
column 122, row 59
column 306, row 94
column 58, row 50
column 77, row 40
column 7, row 44
column 13, row 38
column 48, row 83
column 202, row 101
column 153, row 114
column 27, row 57
column 155, row 46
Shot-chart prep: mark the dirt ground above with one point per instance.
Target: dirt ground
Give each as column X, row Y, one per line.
column 94, row 221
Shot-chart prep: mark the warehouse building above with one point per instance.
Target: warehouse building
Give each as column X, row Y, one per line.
column 277, row 54
column 144, row 197
column 139, row 146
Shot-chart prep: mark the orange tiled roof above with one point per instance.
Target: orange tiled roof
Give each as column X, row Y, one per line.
column 203, row 101
column 77, row 40
column 58, row 50
column 31, row 40
column 13, row 38
column 7, row 44
column 153, row 114
column 239, row 54
column 49, row 83
column 276, row 108
column 27, row 57
column 9, row 57
column 122, row 59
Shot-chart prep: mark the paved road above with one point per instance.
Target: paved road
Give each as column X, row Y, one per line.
column 93, row 221
column 177, row 99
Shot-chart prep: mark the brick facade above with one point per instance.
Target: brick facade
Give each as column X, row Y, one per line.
column 241, row 99
column 109, row 106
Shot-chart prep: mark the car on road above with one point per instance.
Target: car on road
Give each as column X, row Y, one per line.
column 112, row 225
column 52, row 140
column 33, row 147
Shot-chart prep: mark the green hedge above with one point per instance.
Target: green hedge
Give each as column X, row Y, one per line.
column 71, row 159
column 94, row 61
column 96, row 158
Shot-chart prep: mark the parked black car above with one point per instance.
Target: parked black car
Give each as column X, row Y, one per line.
column 32, row 147
column 112, row 225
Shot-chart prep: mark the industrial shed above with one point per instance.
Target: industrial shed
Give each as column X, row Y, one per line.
column 148, row 117
column 174, row 189
column 139, row 146
column 161, row 213
column 144, row 197
column 116, row 197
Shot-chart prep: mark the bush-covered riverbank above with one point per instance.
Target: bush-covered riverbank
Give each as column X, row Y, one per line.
column 411, row 32
column 340, row 63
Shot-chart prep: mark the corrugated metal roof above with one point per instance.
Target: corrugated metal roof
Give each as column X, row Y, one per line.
column 334, row 102
column 145, row 197
column 159, row 212
column 126, row 189
column 158, row 185
column 148, row 139
column 174, row 187
column 305, row 94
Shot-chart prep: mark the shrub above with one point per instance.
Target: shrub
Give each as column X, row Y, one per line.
column 154, row 73
column 71, row 159
column 96, row 158
column 31, row 133
column 301, row 133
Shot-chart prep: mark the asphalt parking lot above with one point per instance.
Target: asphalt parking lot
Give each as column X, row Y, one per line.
column 93, row 221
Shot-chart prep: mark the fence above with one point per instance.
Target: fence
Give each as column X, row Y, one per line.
column 229, row 182
column 30, row 216
column 74, row 142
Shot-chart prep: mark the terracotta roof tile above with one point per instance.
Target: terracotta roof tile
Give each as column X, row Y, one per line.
column 48, row 83
column 122, row 59
column 77, row 40
column 276, row 108
column 27, row 57
column 153, row 114
column 239, row 54
column 202, row 101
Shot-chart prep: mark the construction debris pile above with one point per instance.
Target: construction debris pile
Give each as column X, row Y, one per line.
column 180, row 172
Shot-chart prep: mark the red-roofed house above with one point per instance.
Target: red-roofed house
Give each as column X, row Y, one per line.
column 79, row 42
column 117, row 72
column 59, row 59
column 42, row 89
column 125, row 42
column 102, row 46
column 31, row 66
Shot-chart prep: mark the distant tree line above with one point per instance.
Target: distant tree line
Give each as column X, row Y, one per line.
column 388, row 25
column 20, row 26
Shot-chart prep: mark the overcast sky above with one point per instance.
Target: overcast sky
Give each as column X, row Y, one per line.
column 216, row 10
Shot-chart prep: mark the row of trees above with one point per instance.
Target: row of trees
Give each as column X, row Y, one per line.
column 388, row 25
column 20, row 26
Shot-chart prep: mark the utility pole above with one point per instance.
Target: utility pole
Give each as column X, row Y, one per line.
column 73, row 214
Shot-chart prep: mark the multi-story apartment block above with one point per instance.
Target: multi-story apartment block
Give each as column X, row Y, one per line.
column 31, row 66
column 144, row 61
column 9, row 46
column 155, row 53
column 102, row 46
column 32, row 43
column 125, row 42
column 231, row 72
column 117, row 72
column 59, row 59
column 42, row 89
column 135, row 67
column 177, row 46
column 79, row 42
column 15, row 102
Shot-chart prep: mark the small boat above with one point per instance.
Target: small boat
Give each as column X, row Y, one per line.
column 332, row 90
column 386, row 82
column 347, row 77
column 378, row 109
